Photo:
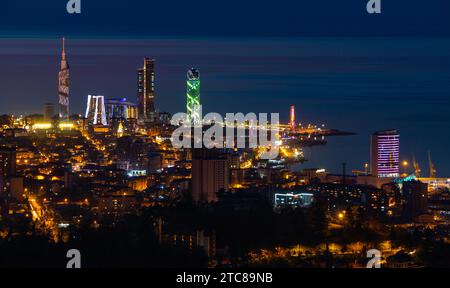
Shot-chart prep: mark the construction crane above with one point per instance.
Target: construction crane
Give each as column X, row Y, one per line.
column 359, row 172
column 416, row 167
column 433, row 171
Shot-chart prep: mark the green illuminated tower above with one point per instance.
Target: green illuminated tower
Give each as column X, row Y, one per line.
column 193, row 95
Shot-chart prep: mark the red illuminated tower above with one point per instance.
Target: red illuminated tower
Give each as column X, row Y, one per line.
column 292, row 118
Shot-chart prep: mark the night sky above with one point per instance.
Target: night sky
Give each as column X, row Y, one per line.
column 225, row 18
column 336, row 63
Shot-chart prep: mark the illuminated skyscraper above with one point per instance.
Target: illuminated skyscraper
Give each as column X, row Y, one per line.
column 96, row 110
column 146, row 90
column 385, row 154
column 193, row 96
column 64, row 86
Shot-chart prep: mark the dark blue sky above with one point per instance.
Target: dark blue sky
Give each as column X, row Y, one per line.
column 142, row 18
column 361, row 84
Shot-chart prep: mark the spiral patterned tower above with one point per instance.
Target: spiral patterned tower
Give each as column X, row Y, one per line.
column 193, row 96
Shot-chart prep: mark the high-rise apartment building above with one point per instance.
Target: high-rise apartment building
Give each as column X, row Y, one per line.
column 416, row 195
column 210, row 174
column 385, row 154
column 7, row 168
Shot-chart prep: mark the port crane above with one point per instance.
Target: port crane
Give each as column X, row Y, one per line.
column 433, row 171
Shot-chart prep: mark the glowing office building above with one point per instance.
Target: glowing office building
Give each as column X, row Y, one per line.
column 63, row 86
column 193, row 96
column 120, row 113
column 96, row 110
column 146, row 90
column 385, row 154
column 121, row 109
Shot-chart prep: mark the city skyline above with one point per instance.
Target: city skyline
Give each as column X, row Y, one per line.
column 225, row 136
column 309, row 111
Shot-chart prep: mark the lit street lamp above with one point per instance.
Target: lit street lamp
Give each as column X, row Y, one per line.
column 405, row 165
